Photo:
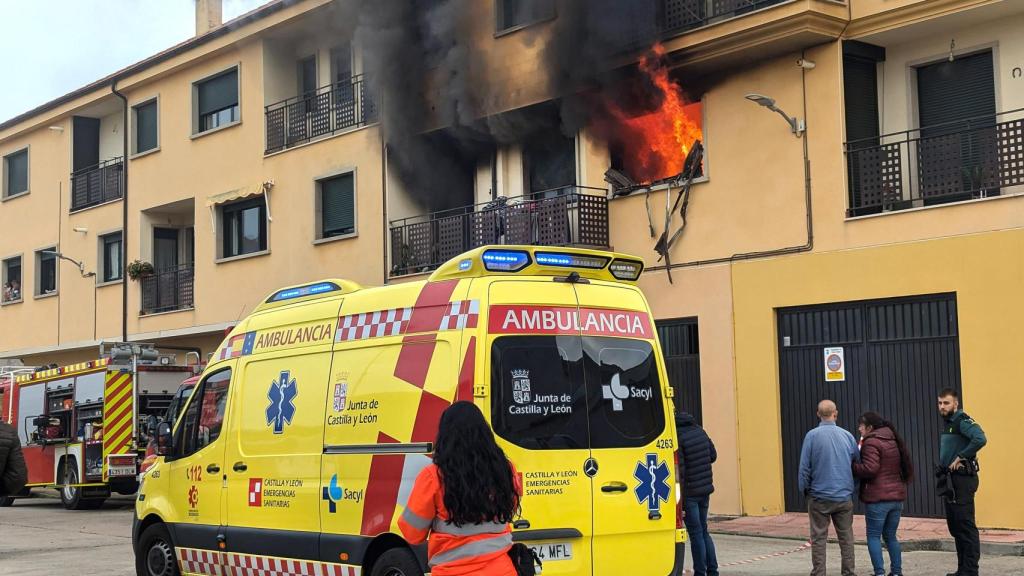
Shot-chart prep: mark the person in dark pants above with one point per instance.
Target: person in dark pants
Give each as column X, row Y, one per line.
column 13, row 472
column 959, row 444
column 696, row 455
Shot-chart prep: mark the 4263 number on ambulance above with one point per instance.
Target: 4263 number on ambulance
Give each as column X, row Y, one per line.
column 301, row 441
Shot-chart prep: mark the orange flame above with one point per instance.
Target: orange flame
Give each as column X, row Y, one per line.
column 655, row 144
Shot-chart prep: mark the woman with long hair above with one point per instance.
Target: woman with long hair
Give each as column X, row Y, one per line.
column 462, row 503
column 885, row 469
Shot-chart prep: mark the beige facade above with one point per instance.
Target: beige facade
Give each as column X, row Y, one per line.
column 752, row 200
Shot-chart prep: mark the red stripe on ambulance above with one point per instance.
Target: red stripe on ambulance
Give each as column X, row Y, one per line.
column 384, row 480
column 467, row 373
column 521, row 319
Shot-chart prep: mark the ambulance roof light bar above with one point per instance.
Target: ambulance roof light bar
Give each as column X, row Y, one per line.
column 302, row 291
column 505, row 260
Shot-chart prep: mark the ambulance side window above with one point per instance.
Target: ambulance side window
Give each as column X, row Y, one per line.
column 205, row 415
column 626, row 408
column 538, row 394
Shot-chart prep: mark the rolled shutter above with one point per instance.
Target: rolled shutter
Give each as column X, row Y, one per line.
column 218, row 93
column 338, row 205
column 145, row 127
column 957, row 90
column 17, row 173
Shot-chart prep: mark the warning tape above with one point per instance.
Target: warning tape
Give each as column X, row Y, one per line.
column 800, row 548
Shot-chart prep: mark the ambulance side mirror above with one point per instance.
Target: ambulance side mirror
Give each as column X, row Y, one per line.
column 163, row 438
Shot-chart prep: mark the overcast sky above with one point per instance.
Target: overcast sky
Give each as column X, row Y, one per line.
column 51, row 47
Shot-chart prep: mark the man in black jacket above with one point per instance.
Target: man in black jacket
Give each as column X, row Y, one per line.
column 696, row 455
column 13, row 473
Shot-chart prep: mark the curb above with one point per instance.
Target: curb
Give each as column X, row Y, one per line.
column 934, row 545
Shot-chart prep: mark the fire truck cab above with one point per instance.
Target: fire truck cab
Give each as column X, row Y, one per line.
column 83, row 426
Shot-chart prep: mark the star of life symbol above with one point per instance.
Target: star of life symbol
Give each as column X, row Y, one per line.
column 615, row 391
column 332, row 493
column 521, row 386
column 282, row 406
column 652, row 485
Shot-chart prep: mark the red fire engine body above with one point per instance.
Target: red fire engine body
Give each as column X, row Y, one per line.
column 83, row 427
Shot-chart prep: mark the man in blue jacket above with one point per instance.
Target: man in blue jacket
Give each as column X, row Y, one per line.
column 696, row 455
column 826, row 478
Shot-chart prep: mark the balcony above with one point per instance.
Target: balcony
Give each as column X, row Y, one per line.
column 679, row 16
column 168, row 290
column 328, row 110
column 97, row 184
column 569, row 216
column 951, row 162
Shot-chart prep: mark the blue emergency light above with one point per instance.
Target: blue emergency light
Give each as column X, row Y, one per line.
column 301, row 291
column 505, row 260
column 564, row 260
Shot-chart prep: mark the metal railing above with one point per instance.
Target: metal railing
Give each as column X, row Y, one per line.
column 169, row 289
column 678, row 16
column 564, row 216
column 327, row 110
column 951, row 162
column 97, row 184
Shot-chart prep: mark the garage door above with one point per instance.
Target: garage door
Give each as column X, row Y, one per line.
column 898, row 354
column 681, row 348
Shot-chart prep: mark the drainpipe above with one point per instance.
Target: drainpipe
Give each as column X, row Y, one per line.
column 124, row 211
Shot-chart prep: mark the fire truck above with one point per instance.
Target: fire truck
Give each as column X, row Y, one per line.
column 84, row 427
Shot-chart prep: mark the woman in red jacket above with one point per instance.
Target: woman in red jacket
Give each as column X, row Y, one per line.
column 884, row 469
column 464, row 500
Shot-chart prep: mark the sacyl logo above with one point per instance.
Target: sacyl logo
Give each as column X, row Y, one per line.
column 616, row 391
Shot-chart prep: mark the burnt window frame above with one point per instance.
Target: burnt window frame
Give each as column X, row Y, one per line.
column 500, row 29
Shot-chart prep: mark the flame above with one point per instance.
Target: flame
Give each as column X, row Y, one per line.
column 655, row 143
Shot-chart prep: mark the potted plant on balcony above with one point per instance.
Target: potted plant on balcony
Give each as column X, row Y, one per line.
column 139, row 269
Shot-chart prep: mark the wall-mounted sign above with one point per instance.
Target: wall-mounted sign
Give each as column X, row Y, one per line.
column 835, row 365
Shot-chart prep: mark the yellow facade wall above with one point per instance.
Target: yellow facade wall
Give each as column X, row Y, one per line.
column 986, row 273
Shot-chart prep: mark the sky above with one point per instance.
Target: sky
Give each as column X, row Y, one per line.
column 52, row 47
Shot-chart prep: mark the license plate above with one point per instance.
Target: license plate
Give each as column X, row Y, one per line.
column 120, row 471
column 552, row 551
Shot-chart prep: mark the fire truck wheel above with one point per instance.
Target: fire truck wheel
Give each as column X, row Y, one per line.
column 71, row 496
column 396, row 562
column 155, row 556
column 6, row 501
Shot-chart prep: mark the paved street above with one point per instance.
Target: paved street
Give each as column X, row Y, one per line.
column 39, row 538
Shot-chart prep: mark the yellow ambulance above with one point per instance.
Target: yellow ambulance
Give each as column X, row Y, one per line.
column 300, row 444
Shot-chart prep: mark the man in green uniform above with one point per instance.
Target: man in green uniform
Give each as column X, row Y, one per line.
column 959, row 443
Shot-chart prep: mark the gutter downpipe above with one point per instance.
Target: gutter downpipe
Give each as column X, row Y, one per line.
column 807, row 246
column 124, row 211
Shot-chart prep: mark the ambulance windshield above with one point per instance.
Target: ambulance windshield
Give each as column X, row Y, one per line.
column 567, row 392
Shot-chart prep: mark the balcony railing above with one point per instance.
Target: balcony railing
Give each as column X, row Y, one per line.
column 678, row 16
column 97, row 184
column 168, row 290
column 951, row 162
column 561, row 217
column 322, row 112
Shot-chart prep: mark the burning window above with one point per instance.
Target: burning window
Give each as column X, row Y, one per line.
column 653, row 128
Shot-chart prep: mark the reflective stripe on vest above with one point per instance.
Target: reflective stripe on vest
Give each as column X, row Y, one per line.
column 443, row 527
column 476, row 548
column 415, row 520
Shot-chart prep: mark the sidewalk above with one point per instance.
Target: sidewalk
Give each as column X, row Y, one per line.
column 914, row 533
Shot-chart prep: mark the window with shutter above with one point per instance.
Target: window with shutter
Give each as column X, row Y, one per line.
column 16, row 173
column 145, row 127
column 337, row 206
column 217, row 100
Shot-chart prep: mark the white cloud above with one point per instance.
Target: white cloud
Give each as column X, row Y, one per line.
column 52, row 47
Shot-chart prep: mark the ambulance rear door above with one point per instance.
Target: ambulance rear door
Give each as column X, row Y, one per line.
column 538, row 404
column 631, row 439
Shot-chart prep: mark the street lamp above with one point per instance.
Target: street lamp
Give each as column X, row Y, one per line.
column 81, row 266
column 797, row 126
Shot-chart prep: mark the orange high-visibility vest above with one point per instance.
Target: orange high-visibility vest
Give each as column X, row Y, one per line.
column 479, row 549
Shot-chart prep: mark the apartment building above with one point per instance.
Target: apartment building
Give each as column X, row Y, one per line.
column 854, row 230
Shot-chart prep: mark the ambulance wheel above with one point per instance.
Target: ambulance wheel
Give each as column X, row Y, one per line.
column 155, row 554
column 6, row 501
column 396, row 562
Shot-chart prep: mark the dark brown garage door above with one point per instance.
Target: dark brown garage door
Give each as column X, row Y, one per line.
column 899, row 353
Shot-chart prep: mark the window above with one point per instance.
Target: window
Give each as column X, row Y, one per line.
column 146, row 131
column 16, row 173
column 111, row 268
column 549, row 158
column 46, row 271
column 244, row 226
column 512, row 14
column 204, row 417
column 336, row 199
column 623, row 393
column 217, row 101
column 12, row 279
